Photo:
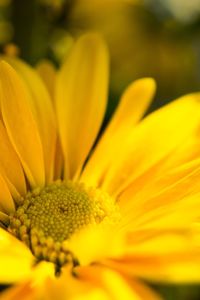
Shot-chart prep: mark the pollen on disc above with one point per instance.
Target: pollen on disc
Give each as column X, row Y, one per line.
column 49, row 216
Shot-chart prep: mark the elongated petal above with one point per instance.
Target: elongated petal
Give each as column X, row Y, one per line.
column 81, row 95
column 15, row 259
column 175, row 193
column 42, row 109
column 20, row 124
column 185, row 153
column 4, row 219
column 147, row 242
column 22, row 291
column 96, row 247
column 32, row 285
column 70, row 287
column 47, row 72
column 168, row 256
column 59, row 161
column 6, row 200
column 10, row 165
column 151, row 141
column 96, row 282
column 115, row 285
column 133, row 105
column 154, row 183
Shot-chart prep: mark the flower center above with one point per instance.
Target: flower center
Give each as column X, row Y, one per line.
column 49, row 216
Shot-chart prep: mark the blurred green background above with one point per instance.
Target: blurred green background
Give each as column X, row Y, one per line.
column 158, row 38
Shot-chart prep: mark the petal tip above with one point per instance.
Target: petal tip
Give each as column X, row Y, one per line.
column 93, row 41
column 149, row 82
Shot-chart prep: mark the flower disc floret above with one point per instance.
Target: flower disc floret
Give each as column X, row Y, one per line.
column 49, row 216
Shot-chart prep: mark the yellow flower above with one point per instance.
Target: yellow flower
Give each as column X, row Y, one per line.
column 82, row 219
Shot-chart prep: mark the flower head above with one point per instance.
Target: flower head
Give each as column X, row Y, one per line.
column 81, row 219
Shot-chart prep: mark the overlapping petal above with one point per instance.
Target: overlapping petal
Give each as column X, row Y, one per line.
column 152, row 140
column 15, row 259
column 95, row 282
column 42, row 108
column 6, row 201
column 169, row 256
column 21, row 125
column 115, row 285
column 132, row 107
column 81, row 96
column 10, row 166
column 23, row 292
column 160, row 203
column 47, row 72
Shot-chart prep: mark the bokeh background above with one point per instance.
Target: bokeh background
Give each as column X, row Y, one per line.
column 157, row 38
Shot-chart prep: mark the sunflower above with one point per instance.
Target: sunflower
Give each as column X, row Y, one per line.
column 85, row 217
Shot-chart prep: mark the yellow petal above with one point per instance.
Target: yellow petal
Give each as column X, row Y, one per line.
column 151, row 141
column 96, row 282
column 154, row 181
column 10, row 165
column 47, row 72
column 158, row 242
column 186, row 152
column 133, row 105
column 160, row 204
column 81, row 95
column 59, row 161
column 4, row 219
column 96, row 247
column 170, row 256
column 20, row 124
column 42, row 109
column 23, row 291
column 115, row 285
column 6, row 201
column 70, row 287
column 30, row 287
column 15, row 259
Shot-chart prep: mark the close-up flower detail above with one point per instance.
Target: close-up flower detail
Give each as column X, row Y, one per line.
column 89, row 211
